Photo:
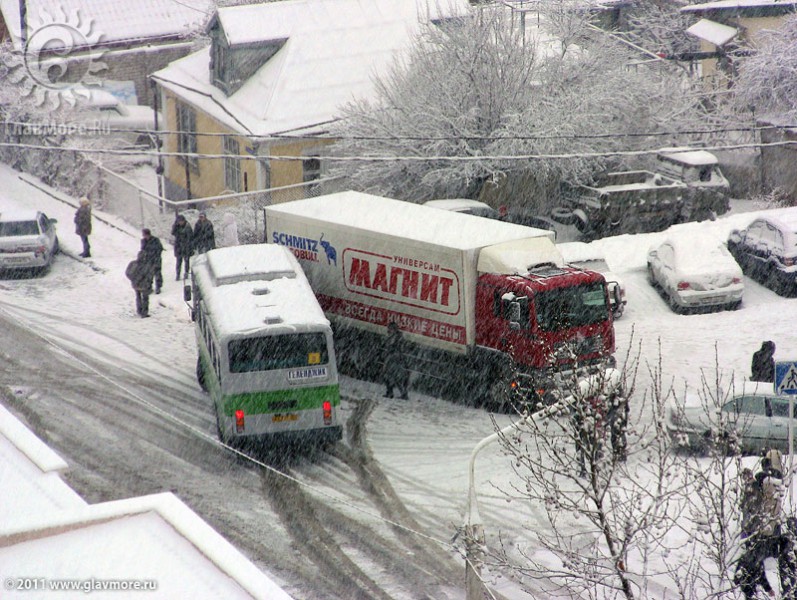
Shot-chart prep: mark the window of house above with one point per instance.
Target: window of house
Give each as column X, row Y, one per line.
column 186, row 138
column 232, row 164
column 311, row 168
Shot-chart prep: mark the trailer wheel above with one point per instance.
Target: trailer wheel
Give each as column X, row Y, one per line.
column 200, row 375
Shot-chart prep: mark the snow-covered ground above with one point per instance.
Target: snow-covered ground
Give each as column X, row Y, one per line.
column 424, row 444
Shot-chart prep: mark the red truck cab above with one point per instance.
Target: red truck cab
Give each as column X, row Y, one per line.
column 549, row 322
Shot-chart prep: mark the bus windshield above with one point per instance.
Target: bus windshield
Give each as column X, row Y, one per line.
column 577, row 306
column 277, row 352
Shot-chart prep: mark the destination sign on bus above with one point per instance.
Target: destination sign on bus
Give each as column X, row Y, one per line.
column 307, row 373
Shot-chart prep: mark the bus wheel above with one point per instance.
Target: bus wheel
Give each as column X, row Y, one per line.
column 200, row 375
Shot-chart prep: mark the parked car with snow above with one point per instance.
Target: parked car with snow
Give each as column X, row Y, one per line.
column 767, row 250
column 131, row 123
column 27, row 240
column 753, row 419
column 695, row 273
column 587, row 256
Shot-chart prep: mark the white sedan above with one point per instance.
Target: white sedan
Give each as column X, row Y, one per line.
column 696, row 274
column 27, row 240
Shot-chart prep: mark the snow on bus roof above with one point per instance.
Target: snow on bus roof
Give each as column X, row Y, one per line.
column 263, row 289
column 407, row 220
column 251, row 262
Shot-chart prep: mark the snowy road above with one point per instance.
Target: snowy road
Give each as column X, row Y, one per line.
column 116, row 396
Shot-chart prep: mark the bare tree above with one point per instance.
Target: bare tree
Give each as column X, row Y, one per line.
column 618, row 521
column 472, row 98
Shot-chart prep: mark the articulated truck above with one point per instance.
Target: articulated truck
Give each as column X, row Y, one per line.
column 488, row 309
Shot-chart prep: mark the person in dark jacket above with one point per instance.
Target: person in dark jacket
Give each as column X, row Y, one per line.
column 763, row 366
column 152, row 249
column 83, row 225
column 204, row 237
column 395, row 373
column 183, row 244
column 140, row 276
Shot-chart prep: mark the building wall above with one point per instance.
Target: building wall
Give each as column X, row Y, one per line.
column 208, row 179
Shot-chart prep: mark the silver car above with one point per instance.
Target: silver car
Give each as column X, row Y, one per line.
column 28, row 240
column 753, row 419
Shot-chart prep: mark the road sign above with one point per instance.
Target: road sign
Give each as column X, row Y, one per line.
column 786, row 377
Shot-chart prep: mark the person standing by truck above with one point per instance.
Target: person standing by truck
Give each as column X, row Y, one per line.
column 395, row 373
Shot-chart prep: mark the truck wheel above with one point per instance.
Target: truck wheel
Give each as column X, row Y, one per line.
column 200, row 375
column 580, row 220
column 563, row 215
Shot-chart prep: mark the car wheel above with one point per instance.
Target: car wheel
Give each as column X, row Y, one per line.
column 675, row 307
column 735, row 305
column 56, row 246
column 563, row 215
column 651, row 276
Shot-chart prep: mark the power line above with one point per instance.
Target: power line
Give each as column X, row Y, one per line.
column 392, row 158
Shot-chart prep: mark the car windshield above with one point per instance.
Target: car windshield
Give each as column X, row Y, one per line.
column 577, row 306
column 15, row 228
column 277, row 352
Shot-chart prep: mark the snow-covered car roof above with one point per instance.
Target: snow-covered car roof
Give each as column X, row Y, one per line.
column 19, row 215
column 458, row 204
column 696, row 158
column 695, row 256
column 580, row 252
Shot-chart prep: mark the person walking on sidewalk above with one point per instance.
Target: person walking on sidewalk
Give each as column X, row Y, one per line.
column 152, row 249
column 140, row 276
column 183, row 244
column 204, row 237
column 83, row 225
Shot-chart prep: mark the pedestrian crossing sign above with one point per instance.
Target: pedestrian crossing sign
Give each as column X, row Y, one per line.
column 786, row 378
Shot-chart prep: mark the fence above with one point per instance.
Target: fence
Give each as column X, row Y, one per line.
column 127, row 199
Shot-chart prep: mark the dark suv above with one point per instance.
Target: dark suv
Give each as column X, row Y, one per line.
column 767, row 250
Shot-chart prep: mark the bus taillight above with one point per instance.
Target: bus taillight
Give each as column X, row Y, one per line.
column 327, row 407
column 239, row 421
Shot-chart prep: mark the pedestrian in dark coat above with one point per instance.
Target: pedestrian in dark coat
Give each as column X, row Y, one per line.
column 395, row 373
column 750, row 572
column 204, row 237
column 140, row 276
column 763, row 366
column 183, row 244
column 152, row 248
column 83, row 225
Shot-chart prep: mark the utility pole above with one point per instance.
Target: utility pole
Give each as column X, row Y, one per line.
column 23, row 24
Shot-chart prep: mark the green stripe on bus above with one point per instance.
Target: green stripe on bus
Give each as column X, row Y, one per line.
column 281, row 401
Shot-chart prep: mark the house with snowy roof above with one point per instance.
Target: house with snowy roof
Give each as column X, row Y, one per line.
column 273, row 78
column 100, row 43
column 725, row 27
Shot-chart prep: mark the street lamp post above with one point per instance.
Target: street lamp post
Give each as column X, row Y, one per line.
column 607, row 382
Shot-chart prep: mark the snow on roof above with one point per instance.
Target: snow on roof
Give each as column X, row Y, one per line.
column 32, row 470
column 457, row 204
column 407, row 220
column 173, row 548
column 695, row 255
column 19, row 214
column 713, row 32
column 153, row 538
column 333, row 51
column 272, row 296
column 111, row 21
column 688, row 156
column 733, row 4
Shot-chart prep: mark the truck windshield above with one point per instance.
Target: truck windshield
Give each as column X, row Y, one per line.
column 577, row 306
column 277, row 352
